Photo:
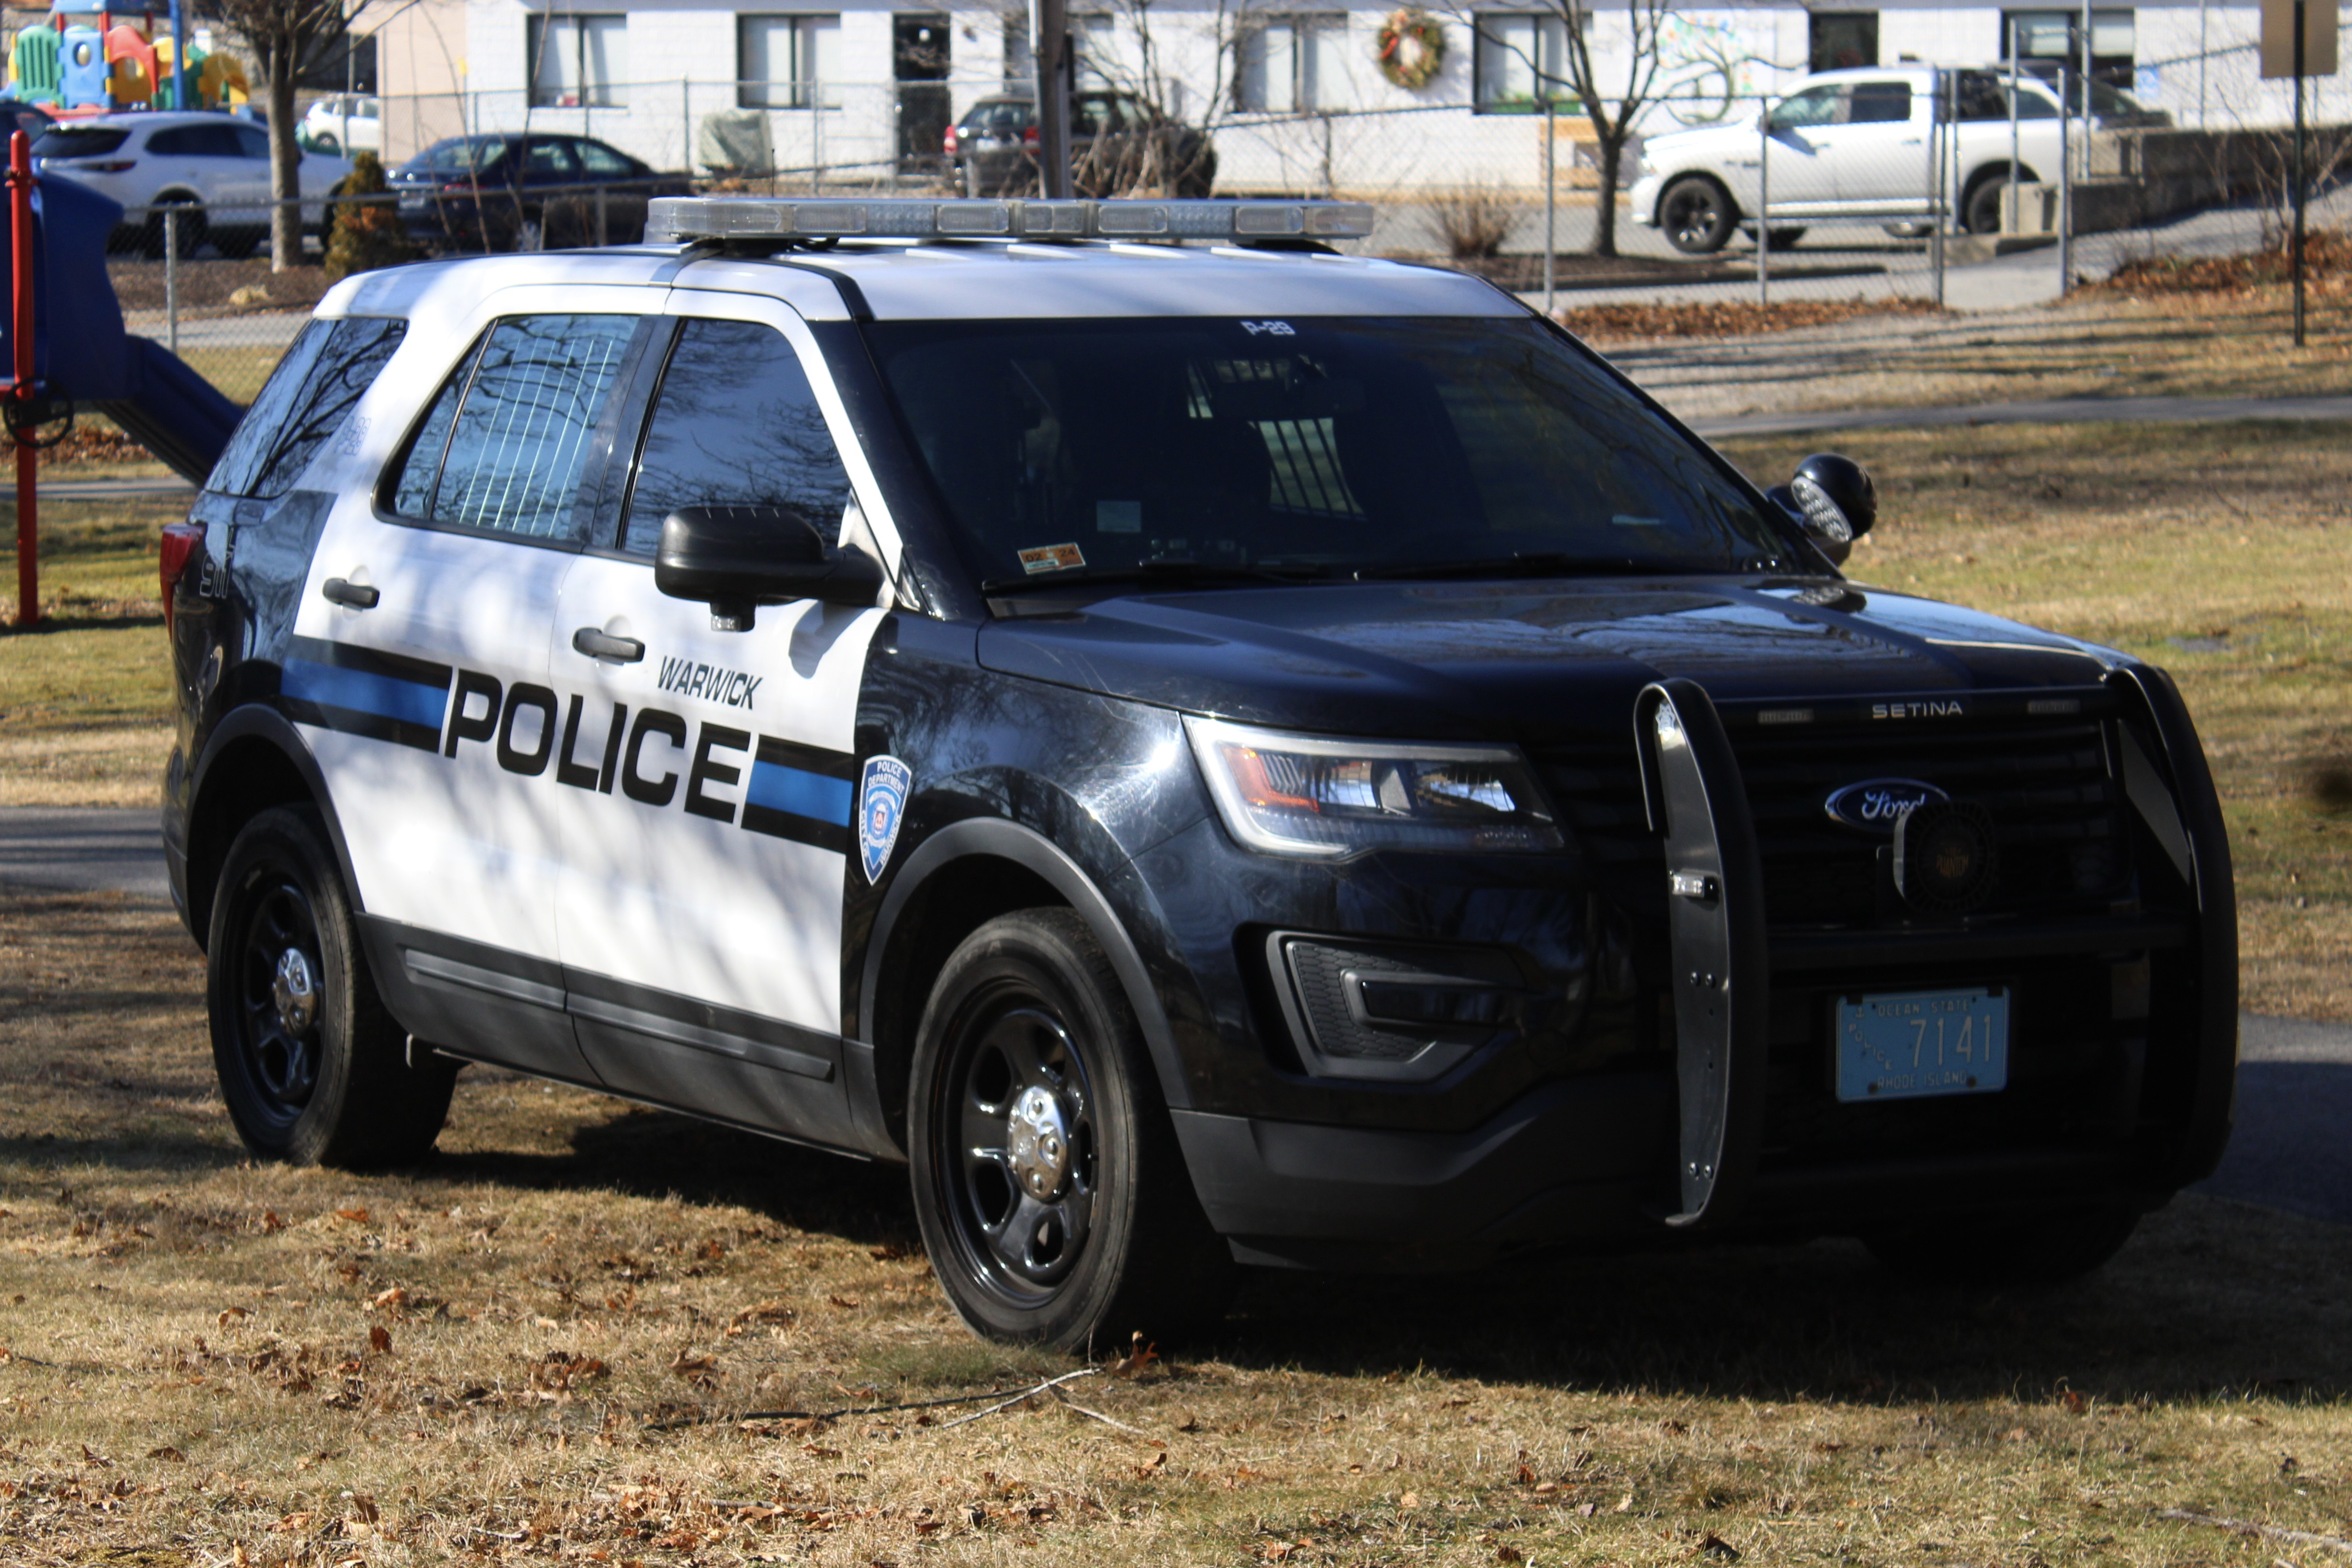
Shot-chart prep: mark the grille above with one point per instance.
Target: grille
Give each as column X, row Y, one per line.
column 2046, row 786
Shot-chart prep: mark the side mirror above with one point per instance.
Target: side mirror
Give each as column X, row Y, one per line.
column 735, row 558
column 1833, row 499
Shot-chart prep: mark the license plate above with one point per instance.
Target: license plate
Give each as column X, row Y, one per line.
column 1903, row 1045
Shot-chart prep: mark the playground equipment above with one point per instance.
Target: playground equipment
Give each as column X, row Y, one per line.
column 68, row 349
column 88, row 61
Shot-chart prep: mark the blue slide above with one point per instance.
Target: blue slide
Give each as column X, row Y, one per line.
column 80, row 351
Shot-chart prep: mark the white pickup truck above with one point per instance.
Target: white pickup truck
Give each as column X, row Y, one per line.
column 1857, row 144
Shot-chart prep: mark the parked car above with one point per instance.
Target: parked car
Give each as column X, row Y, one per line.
column 344, row 123
column 29, row 117
column 1203, row 757
column 1854, row 144
column 505, row 191
column 1119, row 143
column 215, row 164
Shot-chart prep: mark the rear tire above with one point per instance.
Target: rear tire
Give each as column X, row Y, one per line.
column 1980, row 210
column 1053, row 1199
column 314, row 1069
column 189, row 235
column 1697, row 215
column 2036, row 1248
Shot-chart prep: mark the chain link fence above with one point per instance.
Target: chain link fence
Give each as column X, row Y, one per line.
column 1965, row 186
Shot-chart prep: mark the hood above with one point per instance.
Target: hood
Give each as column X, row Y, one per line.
column 1449, row 660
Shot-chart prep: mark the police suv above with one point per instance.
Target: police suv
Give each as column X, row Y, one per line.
column 1208, row 749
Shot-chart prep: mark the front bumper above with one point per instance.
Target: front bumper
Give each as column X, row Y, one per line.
column 1645, row 199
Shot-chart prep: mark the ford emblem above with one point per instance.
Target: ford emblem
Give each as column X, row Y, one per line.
column 1875, row 804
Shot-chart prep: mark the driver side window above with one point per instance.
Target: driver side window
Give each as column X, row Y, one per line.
column 1814, row 106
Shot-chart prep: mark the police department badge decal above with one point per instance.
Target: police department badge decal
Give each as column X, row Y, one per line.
column 881, row 807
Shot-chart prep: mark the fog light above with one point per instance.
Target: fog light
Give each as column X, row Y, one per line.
column 1945, row 859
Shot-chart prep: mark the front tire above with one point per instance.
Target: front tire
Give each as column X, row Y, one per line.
column 1054, row 1202
column 2042, row 1248
column 1696, row 215
column 314, row 1069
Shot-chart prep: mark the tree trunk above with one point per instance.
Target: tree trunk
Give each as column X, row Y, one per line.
column 1605, row 226
column 285, row 172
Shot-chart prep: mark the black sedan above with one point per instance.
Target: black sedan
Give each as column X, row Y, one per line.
column 504, row 191
column 1119, row 145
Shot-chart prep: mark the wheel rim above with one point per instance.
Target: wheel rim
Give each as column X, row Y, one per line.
column 1015, row 1146
column 1692, row 218
column 280, row 997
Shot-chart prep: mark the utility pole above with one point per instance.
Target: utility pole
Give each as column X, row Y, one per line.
column 1049, row 28
column 2296, row 262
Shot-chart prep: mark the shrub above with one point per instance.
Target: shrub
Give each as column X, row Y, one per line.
column 365, row 235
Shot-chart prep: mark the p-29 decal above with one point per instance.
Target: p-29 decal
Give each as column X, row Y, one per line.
column 655, row 757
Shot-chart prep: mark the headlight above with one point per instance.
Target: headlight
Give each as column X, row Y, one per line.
column 1317, row 795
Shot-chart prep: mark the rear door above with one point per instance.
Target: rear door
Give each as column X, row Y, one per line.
column 420, row 666
column 711, row 775
column 1878, row 153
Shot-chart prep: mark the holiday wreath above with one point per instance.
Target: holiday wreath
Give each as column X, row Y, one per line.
column 1413, row 46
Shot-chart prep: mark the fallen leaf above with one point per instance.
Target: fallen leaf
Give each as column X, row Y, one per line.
column 1587, row 1510
column 393, row 1300
column 2075, row 1403
column 1410, row 1499
column 1827, row 1447
column 90, row 1458
column 1138, row 1356
column 1625, row 1504
column 356, row 1215
column 269, row 1221
column 167, row 1452
column 230, row 1314
column 1507, row 1553
column 379, row 1339
column 1674, row 1428
column 843, row 1302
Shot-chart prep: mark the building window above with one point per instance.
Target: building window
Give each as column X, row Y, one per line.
column 1521, row 60
column 1842, row 40
column 2047, row 40
column 575, row 61
column 786, row 62
column 1293, row 64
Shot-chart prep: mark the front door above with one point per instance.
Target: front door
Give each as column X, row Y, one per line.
column 1796, row 170
column 420, row 661
column 710, row 774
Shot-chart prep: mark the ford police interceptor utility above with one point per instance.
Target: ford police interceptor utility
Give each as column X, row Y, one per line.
column 1208, row 752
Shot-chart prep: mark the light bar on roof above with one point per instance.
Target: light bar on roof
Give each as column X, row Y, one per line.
column 670, row 219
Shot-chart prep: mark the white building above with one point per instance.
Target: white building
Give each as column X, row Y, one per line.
column 1293, row 89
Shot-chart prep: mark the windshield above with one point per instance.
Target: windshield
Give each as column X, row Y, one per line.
column 461, row 153
column 1320, row 447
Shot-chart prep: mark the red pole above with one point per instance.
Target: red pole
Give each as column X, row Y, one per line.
column 20, row 235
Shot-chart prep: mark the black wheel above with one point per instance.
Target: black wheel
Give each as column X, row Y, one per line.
column 1052, row 1200
column 1980, row 210
column 1696, row 215
column 238, row 244
column 325, row 142
column 2039, row 1247
column 191, row 235
column 313, row 1069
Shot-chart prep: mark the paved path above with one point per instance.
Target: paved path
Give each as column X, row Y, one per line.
column 2292, row 1149
column 2044, row 410
column 116, row 490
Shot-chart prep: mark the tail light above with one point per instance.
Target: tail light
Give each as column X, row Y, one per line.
column 1029, row 139
column 950, row 145
column 180, row 542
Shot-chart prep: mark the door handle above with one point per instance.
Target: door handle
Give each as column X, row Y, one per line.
column 350, row 595
column 599, row 645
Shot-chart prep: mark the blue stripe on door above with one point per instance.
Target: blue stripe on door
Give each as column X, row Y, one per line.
column 357, row 691
column 799, row 793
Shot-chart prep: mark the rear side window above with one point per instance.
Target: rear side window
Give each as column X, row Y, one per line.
column 1879, row 103
column 737, row 424
column 504, row 444
column 314, row 389
column 602, row 163
column 79, row 142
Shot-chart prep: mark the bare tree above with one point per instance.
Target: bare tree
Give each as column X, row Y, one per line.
column 1165, row 157
column 1615, row 105
column 287, row 38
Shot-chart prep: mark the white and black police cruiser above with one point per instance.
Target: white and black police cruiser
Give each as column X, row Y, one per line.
column 1208, row 751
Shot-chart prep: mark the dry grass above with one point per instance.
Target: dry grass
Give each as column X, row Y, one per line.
column 1607, row 326
column 2222, row 553
column 484, row 1360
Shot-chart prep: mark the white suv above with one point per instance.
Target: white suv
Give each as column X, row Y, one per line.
column 1856, row 144
column 216, row 163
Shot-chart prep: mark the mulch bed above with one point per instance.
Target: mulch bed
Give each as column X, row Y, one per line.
column 1726, row 318
column 207, row 285
column 2326, row 269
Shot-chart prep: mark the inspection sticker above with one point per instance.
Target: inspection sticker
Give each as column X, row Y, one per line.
column 1051, row 557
